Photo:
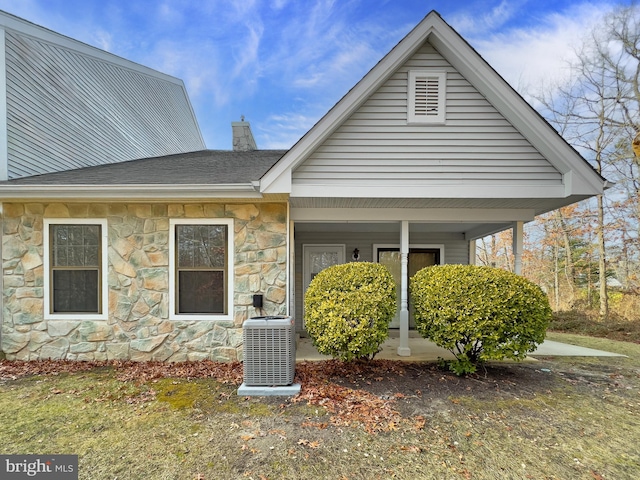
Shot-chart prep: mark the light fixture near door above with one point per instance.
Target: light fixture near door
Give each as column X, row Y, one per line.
column 356, row 255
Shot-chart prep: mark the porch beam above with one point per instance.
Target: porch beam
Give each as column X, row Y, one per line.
column 403, row 349
column 483, row 230
column 518, row 246
column 416, row 215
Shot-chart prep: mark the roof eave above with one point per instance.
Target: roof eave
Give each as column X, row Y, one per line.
column 127, row 192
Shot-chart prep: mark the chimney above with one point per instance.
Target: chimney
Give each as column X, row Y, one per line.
column 242, row 137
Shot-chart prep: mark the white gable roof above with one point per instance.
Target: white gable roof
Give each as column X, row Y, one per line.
column 578, row 179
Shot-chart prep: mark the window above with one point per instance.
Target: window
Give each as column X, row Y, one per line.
column 426, row 97
column 75, row 262
column 201, row 269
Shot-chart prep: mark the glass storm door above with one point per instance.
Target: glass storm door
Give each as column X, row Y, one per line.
column 419, row 258
column 319, row 257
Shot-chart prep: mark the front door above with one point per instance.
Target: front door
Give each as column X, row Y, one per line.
column 419, row 258
column 316, row 258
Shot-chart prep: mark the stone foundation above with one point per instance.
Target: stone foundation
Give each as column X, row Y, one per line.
column 138, row 325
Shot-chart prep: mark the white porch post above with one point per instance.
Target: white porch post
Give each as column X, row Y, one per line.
column 472, row 252
column 403, row 349
column 518, row 245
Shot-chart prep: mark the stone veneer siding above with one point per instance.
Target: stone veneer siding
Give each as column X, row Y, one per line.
column 138, row 325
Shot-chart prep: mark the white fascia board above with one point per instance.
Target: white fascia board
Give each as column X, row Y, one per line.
column 127, row 192
column 279, row 184
column 515, row 109
column 458, row 190
column 272, row 181
column 417, row 215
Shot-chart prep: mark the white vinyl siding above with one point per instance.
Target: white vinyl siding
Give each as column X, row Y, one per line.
column 68, row 110
column 426, row 97
column 376, row 146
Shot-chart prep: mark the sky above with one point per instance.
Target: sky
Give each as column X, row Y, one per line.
column 282, row 64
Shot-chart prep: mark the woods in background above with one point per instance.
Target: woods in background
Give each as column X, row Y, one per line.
column 587, row 256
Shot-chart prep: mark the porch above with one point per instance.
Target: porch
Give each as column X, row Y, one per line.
column 322, row 238
column 425, row 351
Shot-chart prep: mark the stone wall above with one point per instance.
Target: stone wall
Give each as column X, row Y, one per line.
column 138, row 325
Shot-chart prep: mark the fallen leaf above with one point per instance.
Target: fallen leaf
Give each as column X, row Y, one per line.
column 410, row 448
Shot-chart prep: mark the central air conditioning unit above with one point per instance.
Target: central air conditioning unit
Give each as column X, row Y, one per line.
column 269, row 351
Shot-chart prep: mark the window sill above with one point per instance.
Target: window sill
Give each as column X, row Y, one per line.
column 76, row 316
column 200, row 318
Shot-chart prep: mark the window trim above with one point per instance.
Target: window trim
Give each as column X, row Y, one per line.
column 173, row 293
column 441, row 77
column 102, row 275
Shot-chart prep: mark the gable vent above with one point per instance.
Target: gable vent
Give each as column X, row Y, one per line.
column 426, row 97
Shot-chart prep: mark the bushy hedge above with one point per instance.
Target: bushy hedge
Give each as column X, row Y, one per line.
column 348, row 309
column 479, row 313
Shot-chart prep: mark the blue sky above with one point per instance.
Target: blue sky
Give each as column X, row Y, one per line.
column 284, row 63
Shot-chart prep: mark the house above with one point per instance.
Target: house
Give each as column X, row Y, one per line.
column 161, row 257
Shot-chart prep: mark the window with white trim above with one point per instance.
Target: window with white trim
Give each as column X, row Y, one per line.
column 201, row 269
column 426, row 96
column 75, row 264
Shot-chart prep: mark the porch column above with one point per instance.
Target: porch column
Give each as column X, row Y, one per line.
column 403, row 349
column 472, row 252
column 518, row 245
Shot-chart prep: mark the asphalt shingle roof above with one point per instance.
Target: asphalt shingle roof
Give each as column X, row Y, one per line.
column 204, row 167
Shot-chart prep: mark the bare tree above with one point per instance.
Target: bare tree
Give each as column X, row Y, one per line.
column 598, row 113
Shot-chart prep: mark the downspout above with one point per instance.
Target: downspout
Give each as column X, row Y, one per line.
column 291, row 306
column 403, row 349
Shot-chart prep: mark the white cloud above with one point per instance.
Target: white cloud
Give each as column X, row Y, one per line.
column 279, row 4
column 246, row 55
column 281, row 131
column 469, row 22
column 170, row 13
column 103, row 39
column 532, row 58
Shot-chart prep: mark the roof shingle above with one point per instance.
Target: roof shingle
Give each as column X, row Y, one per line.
column 204, row 167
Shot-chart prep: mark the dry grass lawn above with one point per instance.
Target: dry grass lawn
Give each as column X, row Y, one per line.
column 556, row 418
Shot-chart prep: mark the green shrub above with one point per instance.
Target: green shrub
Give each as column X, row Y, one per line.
column 479, row 313
column 348, row 309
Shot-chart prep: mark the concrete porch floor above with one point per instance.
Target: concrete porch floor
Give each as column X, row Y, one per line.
column 425, row 351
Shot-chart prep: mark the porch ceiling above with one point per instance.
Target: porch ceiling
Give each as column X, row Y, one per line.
column 469, row 230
